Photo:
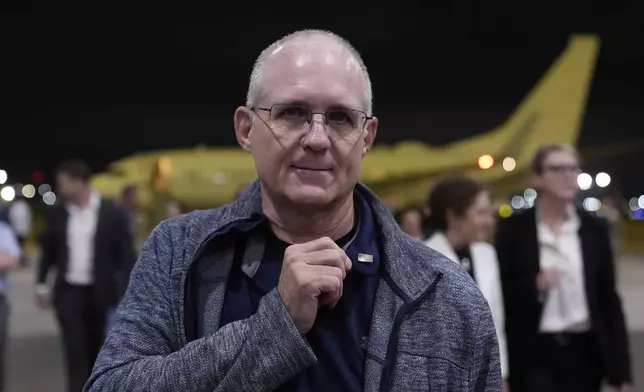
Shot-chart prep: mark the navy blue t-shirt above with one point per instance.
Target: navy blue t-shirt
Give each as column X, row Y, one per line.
column 338, row 336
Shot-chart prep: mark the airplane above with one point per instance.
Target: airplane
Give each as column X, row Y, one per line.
column 403, row 174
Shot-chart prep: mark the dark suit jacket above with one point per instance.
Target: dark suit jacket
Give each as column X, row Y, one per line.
column 518, row 253
column 113, row 251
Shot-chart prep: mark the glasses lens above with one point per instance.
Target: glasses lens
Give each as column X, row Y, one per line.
column 288, row 117
column 345, row 122
column 561, row 169
column 291, row 118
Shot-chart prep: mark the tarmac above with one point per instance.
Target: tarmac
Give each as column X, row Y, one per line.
column 35, row 362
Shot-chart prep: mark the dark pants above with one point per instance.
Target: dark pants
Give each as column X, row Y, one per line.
column 82, row 323
column 566, row 362
column 4, row 324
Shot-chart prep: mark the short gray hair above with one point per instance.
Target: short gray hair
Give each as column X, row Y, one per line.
column 256, row 88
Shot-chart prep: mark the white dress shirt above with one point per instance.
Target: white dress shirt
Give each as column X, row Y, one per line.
column 565, row 304
column 81, row 228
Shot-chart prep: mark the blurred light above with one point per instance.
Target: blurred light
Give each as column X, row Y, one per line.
column 486, row 161
column 640, row 202
column 585, row 181
column 38, row 177
column 638, row 215
column 592, row 204
column 530, row 194
column 509, row 164
column 505, row 210
column 49, row 198
column 164, row 165
column 602, row 180
column 3, row 177
column 632, row 204
column 29, row 191
column 44, row 188
column 518, row 202
column 8, row 193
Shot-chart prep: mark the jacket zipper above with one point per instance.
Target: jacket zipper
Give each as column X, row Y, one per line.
column 392, row 345
column 187, row 314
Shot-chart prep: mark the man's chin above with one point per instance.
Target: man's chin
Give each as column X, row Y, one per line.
column 568, row 196
column 310, row 195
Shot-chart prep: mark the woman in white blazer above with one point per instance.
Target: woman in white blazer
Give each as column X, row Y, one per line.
column 462, row 221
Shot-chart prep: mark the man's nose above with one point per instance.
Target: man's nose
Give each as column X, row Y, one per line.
column 317, row 138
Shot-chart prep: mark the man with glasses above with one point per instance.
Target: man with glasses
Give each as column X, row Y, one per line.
column 305, row 283
column 564, row 322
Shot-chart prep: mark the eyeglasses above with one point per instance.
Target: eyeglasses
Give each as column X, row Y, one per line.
column 561, row 169
column 294, row 118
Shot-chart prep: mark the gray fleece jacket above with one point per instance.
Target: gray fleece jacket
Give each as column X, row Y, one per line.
column 431, row 328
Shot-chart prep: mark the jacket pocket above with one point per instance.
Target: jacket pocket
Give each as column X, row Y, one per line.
column 446, row 376
column 410, row 374
column 415, row 373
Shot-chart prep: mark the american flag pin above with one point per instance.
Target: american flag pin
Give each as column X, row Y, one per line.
column 365, row 258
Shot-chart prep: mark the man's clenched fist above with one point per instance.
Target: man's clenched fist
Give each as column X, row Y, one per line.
column 311, row 277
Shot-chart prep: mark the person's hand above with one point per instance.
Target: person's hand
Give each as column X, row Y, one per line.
column 506, row 386
column 42, row 298
column 547, row 278
column 311, row 277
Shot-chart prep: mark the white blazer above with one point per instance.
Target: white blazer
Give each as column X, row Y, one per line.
column 488, row 279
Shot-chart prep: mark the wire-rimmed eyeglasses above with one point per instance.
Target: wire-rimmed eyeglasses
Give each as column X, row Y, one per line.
column 293, row 118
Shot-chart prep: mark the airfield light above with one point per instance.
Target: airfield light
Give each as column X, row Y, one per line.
column 486, row 161
column 633, row 205
column 3, row 177
column 530, row 194
column 585, row 181
column 602, row 180
column 592, row 204
column 38, row 177
column 8, row 193
column 518, row 202
column 505, row 211
column 49, row 198
column 29, row 191
column 509, row 164
column 44, row 188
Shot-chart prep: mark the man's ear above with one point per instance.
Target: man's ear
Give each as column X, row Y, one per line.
column 370, row 134
column 243, row 120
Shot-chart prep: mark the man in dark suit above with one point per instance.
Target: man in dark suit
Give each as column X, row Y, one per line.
column 88, row 240
column 564, row 321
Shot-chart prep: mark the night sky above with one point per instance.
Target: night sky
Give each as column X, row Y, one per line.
column 103, row 80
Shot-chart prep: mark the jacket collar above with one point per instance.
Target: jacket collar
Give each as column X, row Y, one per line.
column 404, row 259
column 94, row 203
column 570, row 225
column 577, row 215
